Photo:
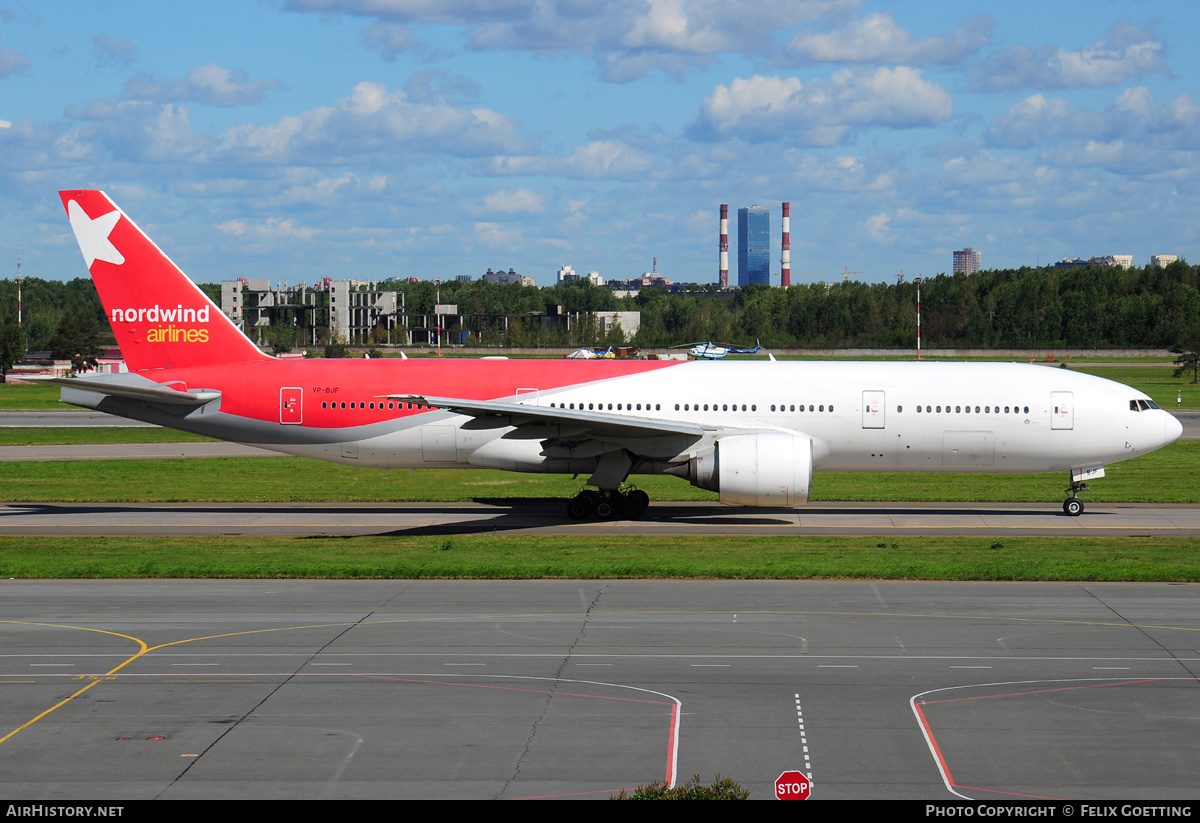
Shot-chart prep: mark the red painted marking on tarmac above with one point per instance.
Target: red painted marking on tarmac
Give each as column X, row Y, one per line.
column 1043, row 691
column 937, row 750
column 671, row 744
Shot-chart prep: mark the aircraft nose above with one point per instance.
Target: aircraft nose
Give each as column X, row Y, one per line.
column 1172, row 428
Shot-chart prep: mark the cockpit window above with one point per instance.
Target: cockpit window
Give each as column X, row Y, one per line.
column 1153, row 405
column 1143, row 405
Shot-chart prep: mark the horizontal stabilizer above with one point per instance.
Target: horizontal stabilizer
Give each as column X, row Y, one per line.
column 149, row 394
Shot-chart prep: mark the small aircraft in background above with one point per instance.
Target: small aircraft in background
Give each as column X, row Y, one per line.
column 591, row 354
column 713, row 351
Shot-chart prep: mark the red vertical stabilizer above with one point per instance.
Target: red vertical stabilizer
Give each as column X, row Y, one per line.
column 159, row 316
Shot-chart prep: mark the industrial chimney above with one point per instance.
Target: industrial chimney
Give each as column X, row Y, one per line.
column 724, row 245
column 785, row 256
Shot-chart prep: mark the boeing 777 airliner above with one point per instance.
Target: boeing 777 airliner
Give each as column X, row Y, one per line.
column 752, row 432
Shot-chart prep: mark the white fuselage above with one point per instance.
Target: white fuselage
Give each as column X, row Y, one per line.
column 959, row 417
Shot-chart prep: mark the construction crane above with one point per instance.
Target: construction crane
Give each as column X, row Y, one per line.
column 846, row 273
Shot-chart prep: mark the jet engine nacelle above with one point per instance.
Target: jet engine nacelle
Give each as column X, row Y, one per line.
column 763, row 469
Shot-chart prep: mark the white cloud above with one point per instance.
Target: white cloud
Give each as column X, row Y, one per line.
column 271, row 229
column 391, row 40
column 821, row 112
column 1127, row 52
column 877, row 39
column 372, row 122
column 112, row 52
column 877, row 227
column 490, row 234
column 598, row 160
column 12, row 62
column 515, row 202
column 626, row 37
column 208, row 84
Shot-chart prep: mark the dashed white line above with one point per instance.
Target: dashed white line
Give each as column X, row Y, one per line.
column 803, row 739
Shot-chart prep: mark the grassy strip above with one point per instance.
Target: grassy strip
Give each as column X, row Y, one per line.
column 98, row 436
column 1165, row 476
column 1156, row 381
column 31, row 397
column 602, row 557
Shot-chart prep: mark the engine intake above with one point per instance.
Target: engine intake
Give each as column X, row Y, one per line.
column 763, row 469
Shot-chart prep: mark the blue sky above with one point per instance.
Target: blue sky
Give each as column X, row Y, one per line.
column 300, row 139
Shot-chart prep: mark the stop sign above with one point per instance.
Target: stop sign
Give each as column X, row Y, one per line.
column 792, row 785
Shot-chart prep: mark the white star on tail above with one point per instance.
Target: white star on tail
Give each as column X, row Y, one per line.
column 92, row 235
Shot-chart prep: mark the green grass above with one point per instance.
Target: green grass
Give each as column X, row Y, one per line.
column 31, row 397
column 94, row 436
column 1165, row 476
column 596, row 556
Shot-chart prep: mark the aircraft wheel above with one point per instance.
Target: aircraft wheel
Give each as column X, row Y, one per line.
column 577, row 509
column 637, row 504
column 1073, row 506
column 605, row 510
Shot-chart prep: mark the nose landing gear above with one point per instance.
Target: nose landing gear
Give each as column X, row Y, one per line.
column 1073, row 506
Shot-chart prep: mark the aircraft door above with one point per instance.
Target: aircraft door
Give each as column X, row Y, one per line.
column 1063, row 410
column 874, row 411
column 291, row 406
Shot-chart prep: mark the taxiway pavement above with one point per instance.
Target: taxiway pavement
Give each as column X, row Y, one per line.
column 520, row 689
column 548, row 517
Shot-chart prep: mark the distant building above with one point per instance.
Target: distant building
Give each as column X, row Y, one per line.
column 967, row 261
column 356, row 310
column 754, row 246
column 506, row 278
column 1161, row 260
column 628, row 321
column 1124, row 261
column 1071, row 263
column 566, row 273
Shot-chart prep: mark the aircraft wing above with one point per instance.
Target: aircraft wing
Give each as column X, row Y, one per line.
column 149, row 391
column 568, row 423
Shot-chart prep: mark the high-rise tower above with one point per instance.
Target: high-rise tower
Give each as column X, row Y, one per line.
column 754, row 246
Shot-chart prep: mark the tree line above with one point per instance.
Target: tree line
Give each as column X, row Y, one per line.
column 1086, row 307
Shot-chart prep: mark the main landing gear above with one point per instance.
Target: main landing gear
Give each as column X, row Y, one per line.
column 1073, row 506
column 608, row 504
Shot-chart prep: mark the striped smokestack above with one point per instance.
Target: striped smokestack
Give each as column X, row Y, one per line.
column 724, row 246
column 785, row 257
